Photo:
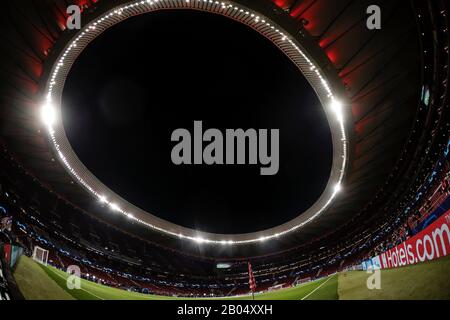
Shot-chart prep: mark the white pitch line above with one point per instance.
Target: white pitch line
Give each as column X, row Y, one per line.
column 323, row 283
column 93, row 294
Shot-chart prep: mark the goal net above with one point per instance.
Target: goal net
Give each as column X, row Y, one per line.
column 40, row 255
column 276, row 287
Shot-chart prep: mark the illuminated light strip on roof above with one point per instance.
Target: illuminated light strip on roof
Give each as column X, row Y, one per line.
column 334, row 108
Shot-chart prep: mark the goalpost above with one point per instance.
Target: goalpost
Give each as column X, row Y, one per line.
column 40, row 255
column 276, row 287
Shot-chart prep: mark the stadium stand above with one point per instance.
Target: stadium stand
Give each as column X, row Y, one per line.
column 120, row 268
column 415, row 194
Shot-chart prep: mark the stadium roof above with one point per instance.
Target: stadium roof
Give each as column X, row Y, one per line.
column 380, row 70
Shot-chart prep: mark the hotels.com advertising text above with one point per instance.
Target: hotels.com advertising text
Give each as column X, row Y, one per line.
column 430, row 244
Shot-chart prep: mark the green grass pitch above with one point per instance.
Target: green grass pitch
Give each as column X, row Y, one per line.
column 425, row 281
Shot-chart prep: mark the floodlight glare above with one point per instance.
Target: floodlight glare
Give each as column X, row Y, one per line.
column 337, row 107
column 337, row 188
column 199, row 240
column 114, row 207
column 48, row 114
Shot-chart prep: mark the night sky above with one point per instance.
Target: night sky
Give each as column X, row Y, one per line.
column 149, row 75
